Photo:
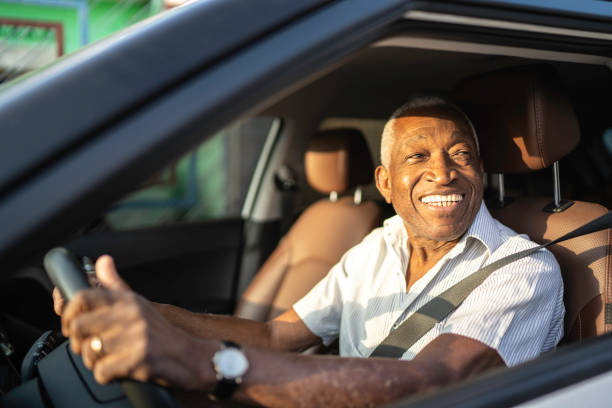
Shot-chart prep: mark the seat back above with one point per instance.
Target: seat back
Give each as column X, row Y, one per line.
column 335, row 162
column 584, row 261
column 525, row 123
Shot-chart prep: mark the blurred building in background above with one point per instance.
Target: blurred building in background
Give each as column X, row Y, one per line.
column 35, row 32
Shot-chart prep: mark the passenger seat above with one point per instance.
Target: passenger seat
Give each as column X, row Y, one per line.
column 336, row 161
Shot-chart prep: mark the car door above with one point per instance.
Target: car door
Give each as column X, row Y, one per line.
column 57, row 189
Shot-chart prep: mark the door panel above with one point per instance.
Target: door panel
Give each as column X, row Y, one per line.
column 192, row 266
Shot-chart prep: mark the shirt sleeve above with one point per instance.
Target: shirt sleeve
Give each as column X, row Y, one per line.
column 321, row 308
column 518, row 310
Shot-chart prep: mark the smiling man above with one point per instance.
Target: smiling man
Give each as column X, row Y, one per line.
column 432, row 175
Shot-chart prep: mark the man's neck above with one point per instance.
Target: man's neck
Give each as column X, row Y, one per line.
column 424, row 254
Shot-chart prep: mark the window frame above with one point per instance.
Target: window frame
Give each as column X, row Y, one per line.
column 213, row 94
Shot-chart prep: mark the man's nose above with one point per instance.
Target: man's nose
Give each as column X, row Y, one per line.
column 441, row 170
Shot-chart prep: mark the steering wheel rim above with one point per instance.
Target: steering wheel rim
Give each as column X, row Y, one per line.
column 66, row 273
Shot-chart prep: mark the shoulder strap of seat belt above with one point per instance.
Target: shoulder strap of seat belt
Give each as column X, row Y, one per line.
column 436, row 310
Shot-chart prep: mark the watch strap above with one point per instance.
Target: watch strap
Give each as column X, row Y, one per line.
column 230, row 344
column 226, row 386
column 224, row 389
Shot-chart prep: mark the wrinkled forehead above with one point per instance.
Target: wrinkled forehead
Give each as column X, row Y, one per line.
column 421, row 120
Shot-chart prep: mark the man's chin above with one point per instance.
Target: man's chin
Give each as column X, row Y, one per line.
column 445, row 235
column 446, row 223
column 444, row 232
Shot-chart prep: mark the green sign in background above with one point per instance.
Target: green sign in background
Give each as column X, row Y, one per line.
column 102, row 17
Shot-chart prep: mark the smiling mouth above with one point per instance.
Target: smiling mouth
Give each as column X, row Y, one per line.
column 439, row 200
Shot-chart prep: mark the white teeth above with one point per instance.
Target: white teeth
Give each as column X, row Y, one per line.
column 442, row 200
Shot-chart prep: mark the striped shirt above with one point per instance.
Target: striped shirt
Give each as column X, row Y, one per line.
column 518, row 310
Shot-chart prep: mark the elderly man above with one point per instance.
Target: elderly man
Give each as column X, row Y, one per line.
column 432, row 175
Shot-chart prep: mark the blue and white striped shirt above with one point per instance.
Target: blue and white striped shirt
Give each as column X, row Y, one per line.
column 518, row 310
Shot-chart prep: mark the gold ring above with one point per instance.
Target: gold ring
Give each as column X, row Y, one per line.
column 96, row 345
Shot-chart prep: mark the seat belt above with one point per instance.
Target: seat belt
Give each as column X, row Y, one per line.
column 436, row 310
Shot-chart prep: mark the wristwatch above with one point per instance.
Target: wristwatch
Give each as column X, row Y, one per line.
column 230, row 364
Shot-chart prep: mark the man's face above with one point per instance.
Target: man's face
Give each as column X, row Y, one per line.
column 434, row 179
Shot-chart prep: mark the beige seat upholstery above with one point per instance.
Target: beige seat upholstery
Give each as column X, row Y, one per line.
column 525, row 123
column 336, row 161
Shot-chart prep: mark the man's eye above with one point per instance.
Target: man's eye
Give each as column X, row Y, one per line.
column 414, row 156
column 462, row 155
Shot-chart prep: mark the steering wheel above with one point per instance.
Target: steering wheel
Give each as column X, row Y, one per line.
column 67, row 274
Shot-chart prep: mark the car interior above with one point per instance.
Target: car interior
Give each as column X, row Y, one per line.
column 543, row 123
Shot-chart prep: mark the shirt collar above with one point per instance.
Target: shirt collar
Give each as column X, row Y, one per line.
column 483, row 229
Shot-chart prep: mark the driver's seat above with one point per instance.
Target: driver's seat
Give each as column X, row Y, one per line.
column 525, row 123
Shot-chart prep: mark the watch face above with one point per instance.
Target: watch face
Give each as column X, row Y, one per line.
column 230, row 362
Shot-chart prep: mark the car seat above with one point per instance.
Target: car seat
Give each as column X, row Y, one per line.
column 525, row 123
column 335, row 162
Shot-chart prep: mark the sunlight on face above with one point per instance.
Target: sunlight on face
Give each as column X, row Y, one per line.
column 434, row 179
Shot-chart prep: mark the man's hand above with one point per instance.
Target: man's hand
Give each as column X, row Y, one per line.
column 58, row 302
column 136, row 340
column 106, row 277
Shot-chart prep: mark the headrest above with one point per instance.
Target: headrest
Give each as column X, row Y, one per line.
column 337, row 160
column 523, row 120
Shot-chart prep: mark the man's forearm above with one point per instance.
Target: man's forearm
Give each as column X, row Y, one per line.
column 285, row 333
column 312, row 381
column 208, row 326
column 287, row 380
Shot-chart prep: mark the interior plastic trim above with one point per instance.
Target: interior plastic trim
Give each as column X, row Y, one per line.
column 501, row 24
column 490, row 49
column 262, row 163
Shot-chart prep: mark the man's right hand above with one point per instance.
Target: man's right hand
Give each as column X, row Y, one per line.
column 106, row 277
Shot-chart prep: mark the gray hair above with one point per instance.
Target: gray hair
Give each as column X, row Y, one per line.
column 415, row 103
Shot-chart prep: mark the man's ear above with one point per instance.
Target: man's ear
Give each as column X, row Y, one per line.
column 383, row 182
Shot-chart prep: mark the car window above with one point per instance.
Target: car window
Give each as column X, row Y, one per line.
column 210, row 182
